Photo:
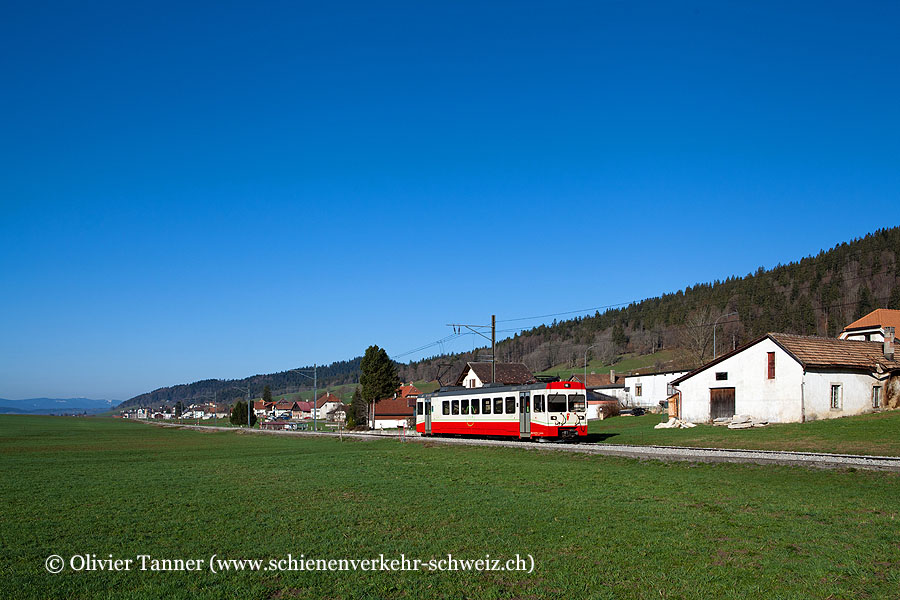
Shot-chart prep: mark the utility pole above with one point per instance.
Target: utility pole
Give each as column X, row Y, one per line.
column 493, row 340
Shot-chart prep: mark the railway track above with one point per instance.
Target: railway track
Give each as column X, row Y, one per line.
column 818, row 460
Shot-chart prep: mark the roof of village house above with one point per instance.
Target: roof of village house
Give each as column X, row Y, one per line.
column 507, row 373
column 882, row 317
column 408, row 390
column 814, row 352
column 395, row 407
column 303, row 406
column 284, row 405
column 600, row 380
column 325, row 398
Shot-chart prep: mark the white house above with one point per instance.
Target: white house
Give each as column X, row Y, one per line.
column 871, row 327
column 786, row 378
column 477, row 374
column 647, row 390
column 326, row 404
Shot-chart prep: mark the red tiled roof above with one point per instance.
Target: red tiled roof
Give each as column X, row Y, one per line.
column 394, row 407
column 303, row 406
column 409, row 391
column 882, row 317
column 327, row 397
column 507, row 373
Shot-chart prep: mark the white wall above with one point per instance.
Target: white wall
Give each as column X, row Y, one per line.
column 472, row 380
column 856, row 393
column 777, row 400
column 654, row 388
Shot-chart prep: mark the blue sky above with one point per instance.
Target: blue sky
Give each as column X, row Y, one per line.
column 192, row 191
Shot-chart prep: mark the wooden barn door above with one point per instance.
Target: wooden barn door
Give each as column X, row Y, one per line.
column 721, row 403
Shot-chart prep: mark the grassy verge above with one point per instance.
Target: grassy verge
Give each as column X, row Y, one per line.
column 597, row 527
column 865, row 434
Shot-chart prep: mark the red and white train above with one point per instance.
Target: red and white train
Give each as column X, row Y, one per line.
column 555, row 410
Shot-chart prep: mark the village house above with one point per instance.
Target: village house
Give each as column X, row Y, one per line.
column 651, row 390
column 301, row 410
column 478, row 374
column 872, row 326
column 600, row 388
column 396, row 411
column 326, row 404
column 783, row 378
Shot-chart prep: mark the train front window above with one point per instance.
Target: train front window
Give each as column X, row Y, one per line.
column 576, row 403
column 556, row 403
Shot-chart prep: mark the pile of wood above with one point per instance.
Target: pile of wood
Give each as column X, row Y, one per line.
column 739, row 422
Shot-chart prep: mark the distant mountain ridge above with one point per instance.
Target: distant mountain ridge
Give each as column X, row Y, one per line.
column 50, row 406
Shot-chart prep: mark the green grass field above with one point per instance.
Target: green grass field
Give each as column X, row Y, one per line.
column 597, row 527
column 865, row 434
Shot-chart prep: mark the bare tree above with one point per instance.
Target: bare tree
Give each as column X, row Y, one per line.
column 697, row 334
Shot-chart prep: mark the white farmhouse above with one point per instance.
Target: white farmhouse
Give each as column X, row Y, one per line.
column 787, row 378
column 648, row 390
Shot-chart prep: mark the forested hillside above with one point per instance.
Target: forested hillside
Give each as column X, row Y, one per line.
column 817, row 295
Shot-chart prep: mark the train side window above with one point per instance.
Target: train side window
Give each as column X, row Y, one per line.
column 474, row 406
column 498, row 406
column 454, row 407
column 539, row 403
column 464, row 407
column 419, row 409
column 485, row 406
column 510, row 405
column 527, row 402
column 446, row 409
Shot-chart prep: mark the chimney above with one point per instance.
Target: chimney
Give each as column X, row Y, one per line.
column 612, row 375
column 889, row 343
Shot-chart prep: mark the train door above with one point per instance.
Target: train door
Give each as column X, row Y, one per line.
column 427, row 410
column 524, row 415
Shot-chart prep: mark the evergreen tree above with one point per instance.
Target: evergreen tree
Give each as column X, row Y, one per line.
column 378, row 376
column 267, row 394
column 894, row 300
column 866, row 303
column 356, row 412
column 239, row 414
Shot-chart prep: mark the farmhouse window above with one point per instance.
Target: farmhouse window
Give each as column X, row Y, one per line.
column 638, row 389
column 876, row 396
column 722, row 376
column 771, row 357
column 836, row 396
